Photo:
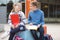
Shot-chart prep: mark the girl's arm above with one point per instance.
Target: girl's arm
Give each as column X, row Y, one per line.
column 23, row 18
column 9, row 20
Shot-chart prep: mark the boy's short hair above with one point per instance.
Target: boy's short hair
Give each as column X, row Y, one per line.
column 36, row 4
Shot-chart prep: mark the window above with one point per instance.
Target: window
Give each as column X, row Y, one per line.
column 42, row 0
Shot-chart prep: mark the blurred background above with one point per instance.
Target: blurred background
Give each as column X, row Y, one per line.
column 51, row 10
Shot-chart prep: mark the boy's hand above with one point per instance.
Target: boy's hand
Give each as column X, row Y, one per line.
column 31, row 23
column 39, row 25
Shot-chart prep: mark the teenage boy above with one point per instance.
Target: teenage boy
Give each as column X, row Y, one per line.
column 36, row 17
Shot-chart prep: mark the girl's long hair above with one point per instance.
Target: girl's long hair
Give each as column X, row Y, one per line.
column 15, row 4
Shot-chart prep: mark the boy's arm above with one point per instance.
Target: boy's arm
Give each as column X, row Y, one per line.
column 42, row 19
column 29, row 19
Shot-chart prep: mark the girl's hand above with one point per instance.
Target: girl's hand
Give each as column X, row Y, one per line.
column 12, row 26
column 17, row 25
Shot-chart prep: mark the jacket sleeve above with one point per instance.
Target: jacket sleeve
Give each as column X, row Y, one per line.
column 42, row 18
column 29, row 18
column 23, row 19
column 9, row 20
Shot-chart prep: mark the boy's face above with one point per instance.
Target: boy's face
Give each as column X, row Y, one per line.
column 32, row 7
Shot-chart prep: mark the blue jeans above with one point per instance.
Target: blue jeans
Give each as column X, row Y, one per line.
column 41, row 32
column 16, row 30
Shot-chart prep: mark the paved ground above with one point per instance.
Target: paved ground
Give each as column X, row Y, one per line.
column 52, row 29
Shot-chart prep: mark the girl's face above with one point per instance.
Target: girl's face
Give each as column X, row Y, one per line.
column 17, row 8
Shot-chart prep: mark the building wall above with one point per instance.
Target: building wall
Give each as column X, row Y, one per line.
column 51, row 10
column 3, row 14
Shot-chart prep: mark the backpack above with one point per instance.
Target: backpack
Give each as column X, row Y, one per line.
column 48, row 37
column 18, row 38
